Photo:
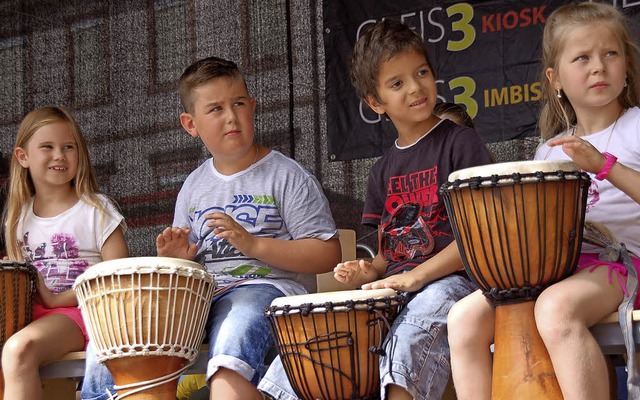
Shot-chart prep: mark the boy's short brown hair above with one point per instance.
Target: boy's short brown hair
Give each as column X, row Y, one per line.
column 379, row 43
column 201, row 72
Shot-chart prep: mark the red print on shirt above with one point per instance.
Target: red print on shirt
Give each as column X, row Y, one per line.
column 414, row 209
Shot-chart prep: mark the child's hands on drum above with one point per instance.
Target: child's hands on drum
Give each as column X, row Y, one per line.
column 581, row 152
column 225, row 227
column 174, row 242
column 406, row 282
column 355, row 272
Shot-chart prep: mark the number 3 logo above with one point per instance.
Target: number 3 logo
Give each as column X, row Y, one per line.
column 469, row 88
column 462, row 25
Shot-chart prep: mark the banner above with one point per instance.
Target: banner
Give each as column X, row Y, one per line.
column 486, row 57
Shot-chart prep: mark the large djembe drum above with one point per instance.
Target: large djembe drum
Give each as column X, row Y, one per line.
column 330, row 343
column 17, row 289
column 146, row 317
column 519, row 228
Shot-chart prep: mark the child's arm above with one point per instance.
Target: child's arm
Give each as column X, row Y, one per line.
column 625, row 179
column 114, row 247
column 359, row 272
column 311, row 256
column 442, row 264
column 54, row 300
column 590, row 159
column 174, row 242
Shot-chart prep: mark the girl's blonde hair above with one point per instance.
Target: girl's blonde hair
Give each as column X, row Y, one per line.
column 21, row 188
column 557, row 114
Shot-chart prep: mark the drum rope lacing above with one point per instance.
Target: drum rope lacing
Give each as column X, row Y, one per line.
column 383, row 308
column 32, row 275
column 146, row 385
column 187, row 292
column 518, row 294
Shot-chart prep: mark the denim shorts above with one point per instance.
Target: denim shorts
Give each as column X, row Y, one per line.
column 237, row 331
column 417, row 350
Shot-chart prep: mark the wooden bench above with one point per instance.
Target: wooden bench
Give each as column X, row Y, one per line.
column 72, row 365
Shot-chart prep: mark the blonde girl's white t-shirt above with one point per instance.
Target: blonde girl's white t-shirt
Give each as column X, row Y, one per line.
column 64, row 246
column 606, row 204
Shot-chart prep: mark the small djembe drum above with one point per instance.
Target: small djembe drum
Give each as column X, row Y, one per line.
column 146, row 317
column 519, row 229
column 17, row 288
column 330, row 343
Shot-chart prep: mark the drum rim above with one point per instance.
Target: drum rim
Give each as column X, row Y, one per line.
column 510, row 168
column 11, row 263
column 516, row 178
column 144, row 265
column 335, row 297
column 385, row 297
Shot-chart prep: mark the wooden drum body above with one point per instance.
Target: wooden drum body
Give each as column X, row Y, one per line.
column 519, row 229
column 146, row 317
column 17, row 288
column 330, row 343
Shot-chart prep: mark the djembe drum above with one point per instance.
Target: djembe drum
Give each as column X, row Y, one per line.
column 146, row 317
column 330, row 343
column 519, row 228
column 17, row 288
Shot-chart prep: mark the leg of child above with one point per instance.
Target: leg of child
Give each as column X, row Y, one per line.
column 42, row 341
column 97, row 378
column 239, row 340
column 228, row 384
column 471, row 326
column 416, row 359
column 564, row 312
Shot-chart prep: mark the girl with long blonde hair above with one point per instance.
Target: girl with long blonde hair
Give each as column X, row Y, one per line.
column 56, row 220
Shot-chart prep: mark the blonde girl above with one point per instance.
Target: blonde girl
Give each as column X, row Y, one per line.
column 56, row 220
column 590, row 109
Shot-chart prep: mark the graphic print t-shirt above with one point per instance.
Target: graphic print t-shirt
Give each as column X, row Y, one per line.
column 274, row 198
column 402, row 193
column 64, row 246
column 622, row 139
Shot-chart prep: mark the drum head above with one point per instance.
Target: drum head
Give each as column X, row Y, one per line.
column 320, row 299
column 142, row 265
column 508, row 168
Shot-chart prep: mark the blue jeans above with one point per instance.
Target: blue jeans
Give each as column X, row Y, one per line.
column 417, row 352
column 238, row 334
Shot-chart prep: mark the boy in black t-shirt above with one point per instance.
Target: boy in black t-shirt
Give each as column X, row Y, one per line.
column 392, row 74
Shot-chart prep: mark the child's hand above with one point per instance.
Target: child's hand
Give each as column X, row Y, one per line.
column 44, row 296
column 174, row 242
column 225, row 227
column 581, row 152
column 407, row 282
column 355, row 272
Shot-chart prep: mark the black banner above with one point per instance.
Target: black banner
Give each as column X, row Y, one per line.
column 486, row 56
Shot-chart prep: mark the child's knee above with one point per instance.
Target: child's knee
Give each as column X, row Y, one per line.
column 458, row 324
column 456, row 316
column 552, row 319
column 16, row 354
column 471, row 321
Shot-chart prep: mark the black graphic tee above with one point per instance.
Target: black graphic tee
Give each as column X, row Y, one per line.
column 402, row 193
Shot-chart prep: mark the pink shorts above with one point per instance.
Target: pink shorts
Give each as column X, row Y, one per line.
column 590, row 260
column 74, row 313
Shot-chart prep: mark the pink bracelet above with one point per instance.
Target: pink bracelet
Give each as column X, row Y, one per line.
column 608, row 164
